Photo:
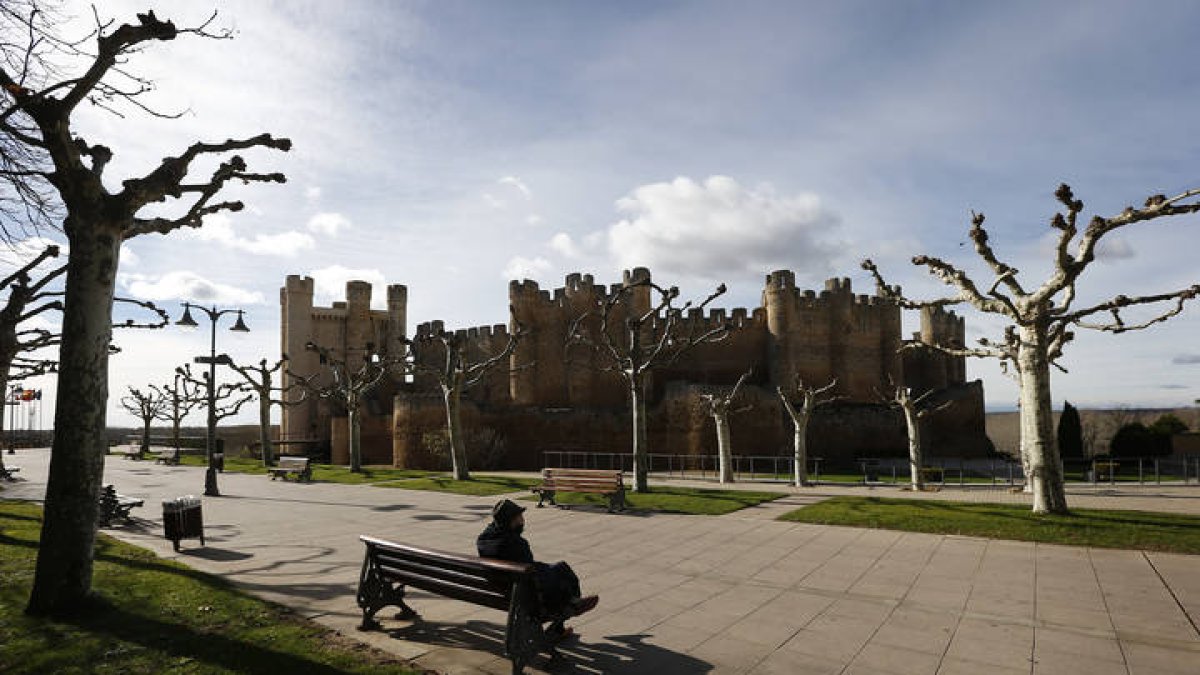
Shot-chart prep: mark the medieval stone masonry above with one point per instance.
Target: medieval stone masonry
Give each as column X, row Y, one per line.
column 554, row 398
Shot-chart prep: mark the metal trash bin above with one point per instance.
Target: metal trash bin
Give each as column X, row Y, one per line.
column 183, row 518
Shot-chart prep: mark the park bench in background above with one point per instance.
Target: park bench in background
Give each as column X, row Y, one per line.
column 167, row 456
column 611, row 484
column 114, row 505
column 6, row 472
column 933, row 474
column 507, row 586
column 291, row 465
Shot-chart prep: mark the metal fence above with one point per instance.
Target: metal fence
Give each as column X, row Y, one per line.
column 963, row 472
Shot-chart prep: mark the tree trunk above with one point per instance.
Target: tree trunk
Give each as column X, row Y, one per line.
column 63, row 578
column 915, row 459
column 724, row 449
column 1038, row 444
column 638, row 407
column 458, row 449
column 355, row 438
column 800, row 448
column 264, row 430
column 145, row 438
column 175, row 431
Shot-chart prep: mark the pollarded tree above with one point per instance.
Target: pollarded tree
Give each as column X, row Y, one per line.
column 261, row 381
column 45, row 79
column 719, row 407
column 456, row 370
column 649, row 337
column 147, row 406
column 915, row 410
column 1042, row 318
column 350, row 386
column 228, row 398
column 810, row 399
column 27, row 298
column 180, row 398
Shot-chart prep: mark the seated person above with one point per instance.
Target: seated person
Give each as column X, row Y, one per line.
column 558, row 587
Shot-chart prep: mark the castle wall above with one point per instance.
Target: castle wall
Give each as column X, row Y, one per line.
column 554, row 398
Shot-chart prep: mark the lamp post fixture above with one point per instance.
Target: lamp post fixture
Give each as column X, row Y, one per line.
column 210, row 444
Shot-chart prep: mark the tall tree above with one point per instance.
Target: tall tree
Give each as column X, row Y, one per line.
column 1042, row 318
column 228, row 398
column 44, row 91
column 146, row 406
column 261, row 381
column 1070, row 433
column 446, row 356
column 654, row 333
column 350, row 386
column 27, row 298
column 719, row 407
column 810, row 399
column 180, row 398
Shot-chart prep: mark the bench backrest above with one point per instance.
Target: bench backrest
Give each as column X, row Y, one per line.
column 300, row 463
column 169, row 452
column 482, row 581
column 585, row 477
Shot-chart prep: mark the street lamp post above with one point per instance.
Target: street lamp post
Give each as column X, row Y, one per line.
column 210, row 475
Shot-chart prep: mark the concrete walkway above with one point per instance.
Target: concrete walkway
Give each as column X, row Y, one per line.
column 688, row 594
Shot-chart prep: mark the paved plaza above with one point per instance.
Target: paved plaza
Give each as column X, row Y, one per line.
column 689, row 594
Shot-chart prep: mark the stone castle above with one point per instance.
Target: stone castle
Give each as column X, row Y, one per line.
column 553, row 399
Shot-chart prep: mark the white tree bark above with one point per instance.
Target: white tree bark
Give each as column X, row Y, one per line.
column 915, row 457
column 458, row 448
column 641, row 480
column 264, row 430
column 800, row 453
column 1038, row 442
column 724, row 449
column 352, row 420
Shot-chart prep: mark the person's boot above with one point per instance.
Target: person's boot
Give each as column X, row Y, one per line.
column 584, row 604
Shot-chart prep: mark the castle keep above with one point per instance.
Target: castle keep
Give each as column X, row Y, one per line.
column 553, row 398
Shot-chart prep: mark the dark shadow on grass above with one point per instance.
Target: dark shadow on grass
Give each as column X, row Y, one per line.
column 182, row 641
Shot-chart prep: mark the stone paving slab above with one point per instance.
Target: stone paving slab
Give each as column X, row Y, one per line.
column 687, row 594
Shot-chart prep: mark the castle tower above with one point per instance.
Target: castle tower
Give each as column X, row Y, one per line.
column 397, row 319
column 359, row 338
column 947, row 329
column 296, row 307
column 777, row 298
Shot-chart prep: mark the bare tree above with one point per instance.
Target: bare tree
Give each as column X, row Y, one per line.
column 915, row 411
column 228, row 398
column 651, row 337
column 350, row 387
column 146, row 406
column 1042, row 318
column 43, row 156
column 260, row 379
column 455, row 371
column 810, row 399
column 719, row 407
column 26, row 299
column 180, row 398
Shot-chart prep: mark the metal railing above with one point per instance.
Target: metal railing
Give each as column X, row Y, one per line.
column 948, row 471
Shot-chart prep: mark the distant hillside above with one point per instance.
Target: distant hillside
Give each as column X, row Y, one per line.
column 1098, row 425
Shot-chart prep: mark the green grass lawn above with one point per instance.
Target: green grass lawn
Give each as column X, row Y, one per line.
column 477, row 485
column 328, row 473
column 1141, row 530
column 152, row 615
column 668, row 499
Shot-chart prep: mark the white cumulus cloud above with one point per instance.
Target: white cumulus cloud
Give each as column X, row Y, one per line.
column 218, row 229
column 564, row 245
column 719, row 227
column 328, row 223
column 520, row 267
column 186, row 285
column 329, row 284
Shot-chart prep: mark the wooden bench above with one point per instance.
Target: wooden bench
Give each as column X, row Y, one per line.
column 933, row 474
column 609, row 483
column 114, row 505
column 6, row 472
column 507, row 586
column 131, row 451
column 292, row 465
column 168, row 456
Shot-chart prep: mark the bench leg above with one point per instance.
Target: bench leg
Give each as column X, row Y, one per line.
column 374, row 594
column 616, row 501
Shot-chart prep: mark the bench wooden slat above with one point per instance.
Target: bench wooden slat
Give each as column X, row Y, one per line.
column 388, row 568
column 608, row 482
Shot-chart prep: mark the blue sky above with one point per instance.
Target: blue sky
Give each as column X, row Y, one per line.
column 451, row 146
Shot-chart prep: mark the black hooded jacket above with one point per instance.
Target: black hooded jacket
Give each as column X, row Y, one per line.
column 502, row 543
